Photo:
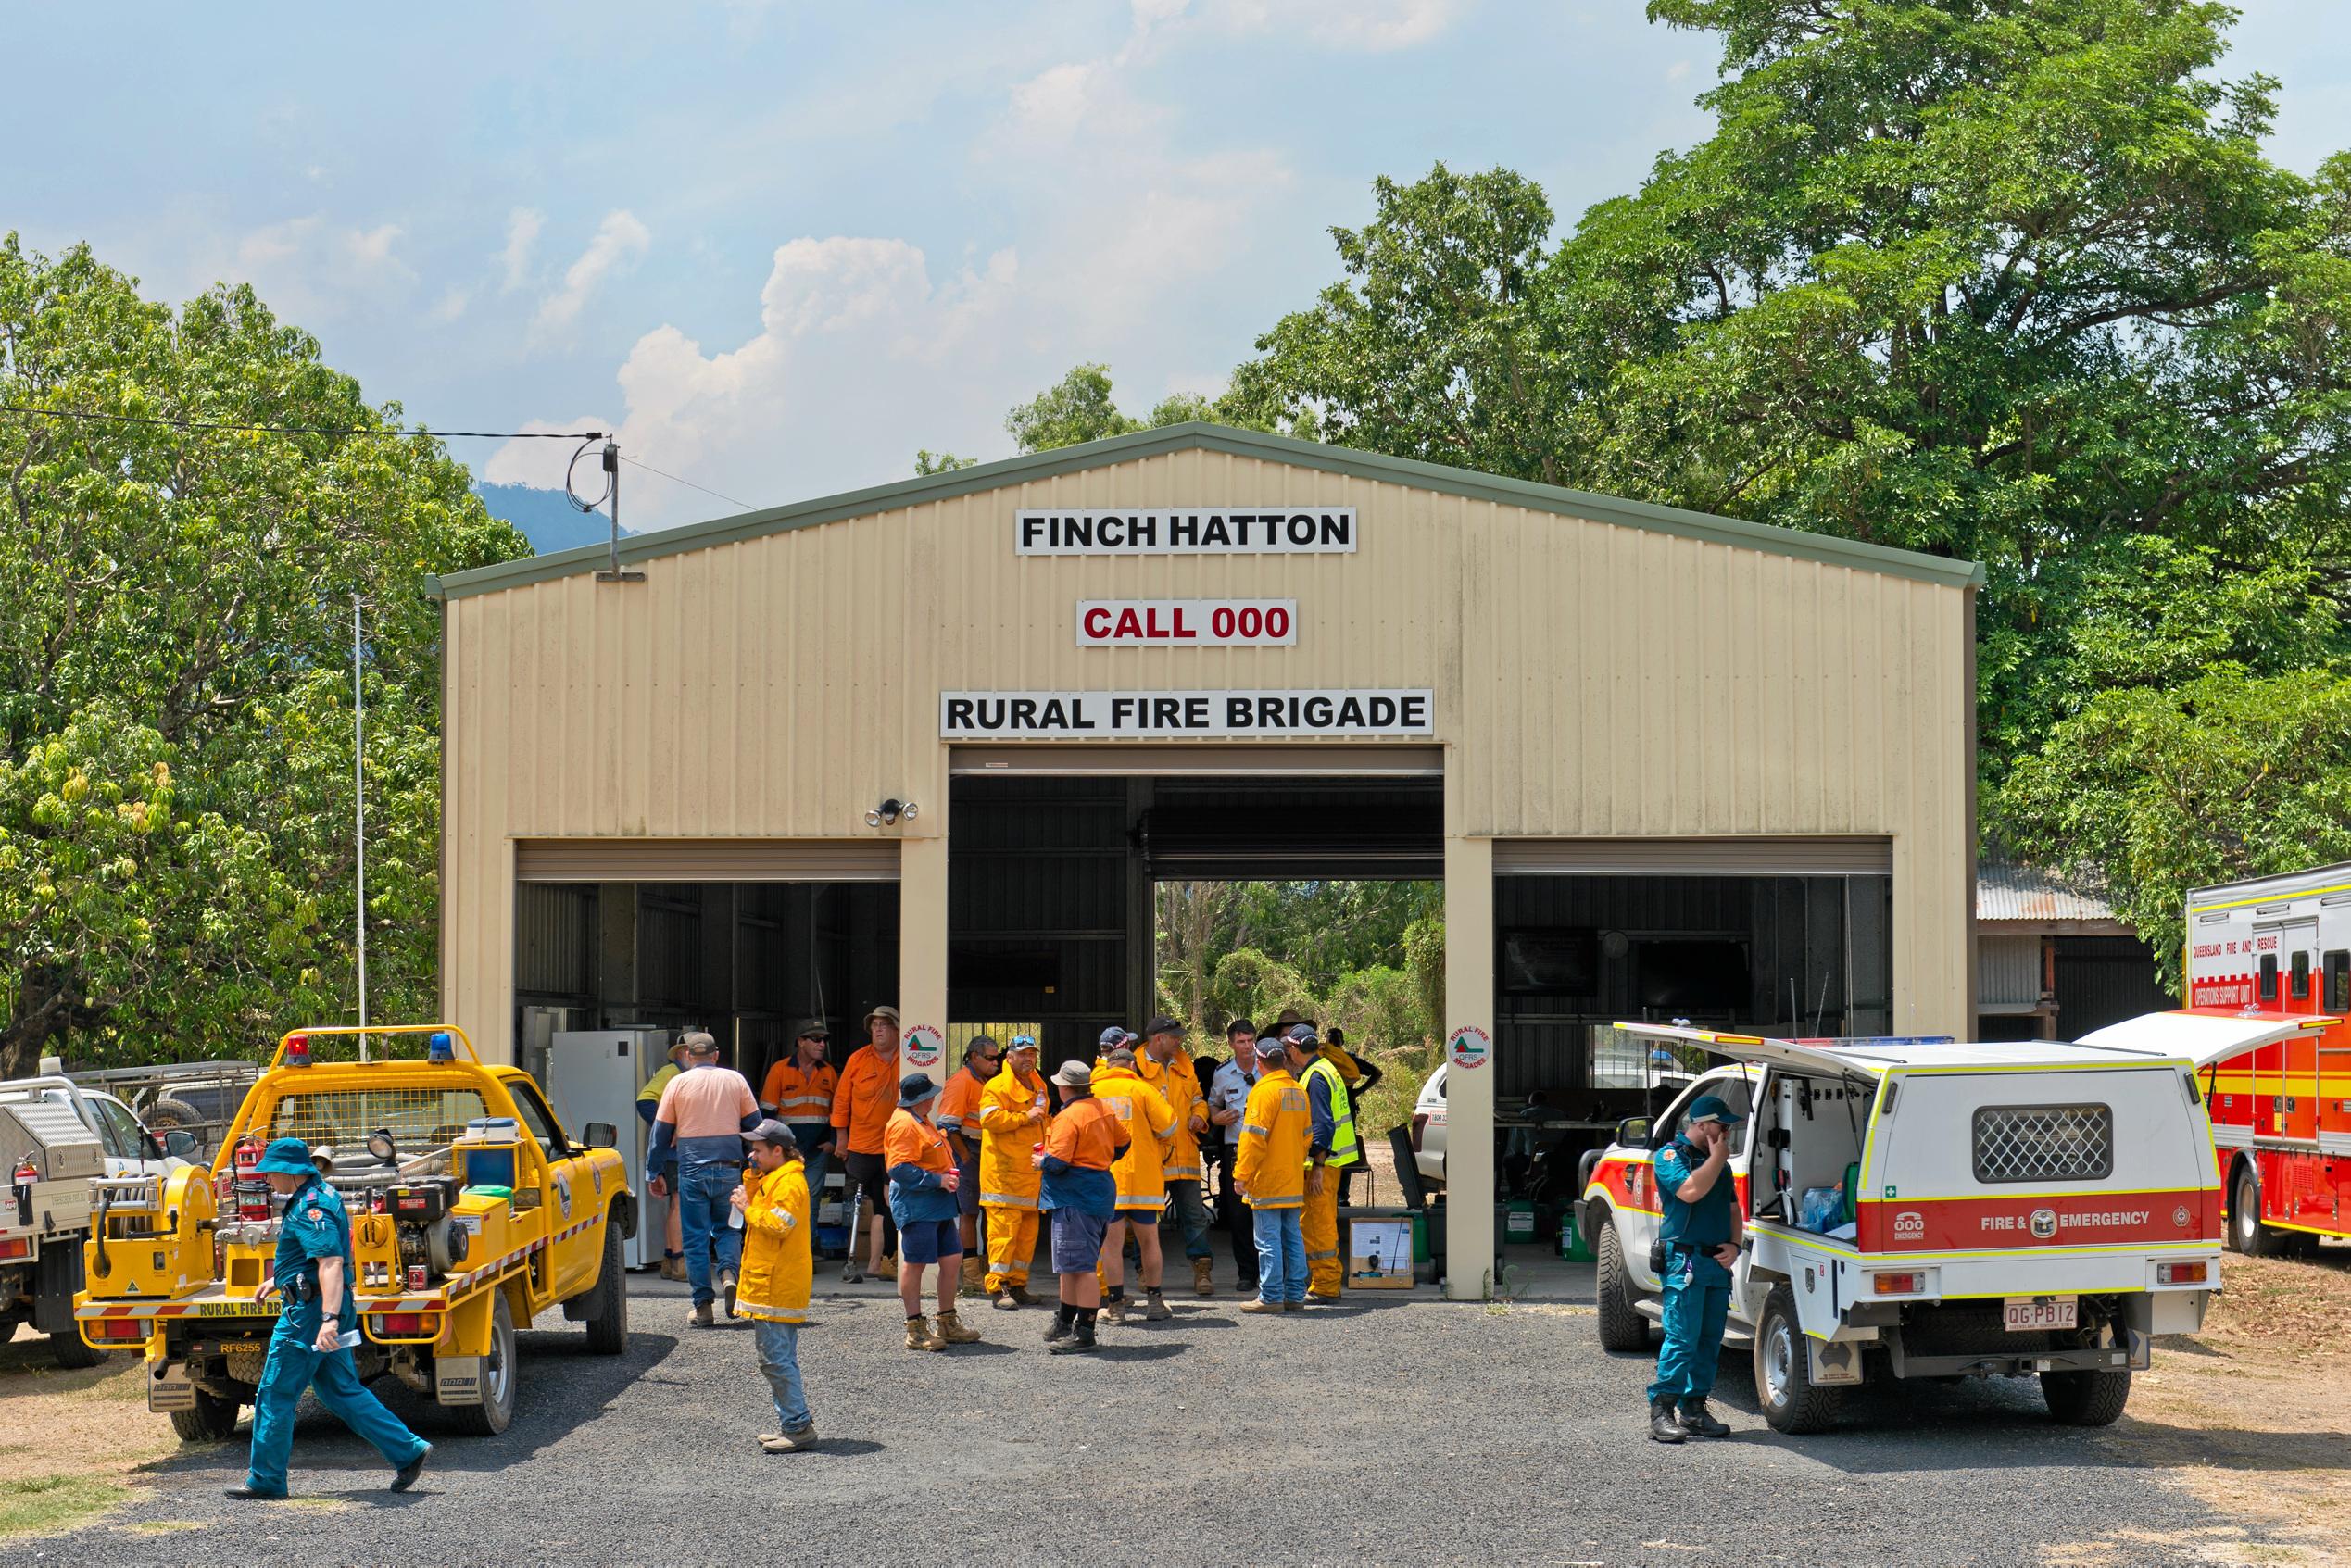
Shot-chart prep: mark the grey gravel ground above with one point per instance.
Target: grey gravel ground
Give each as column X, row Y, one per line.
column 1474, row 1435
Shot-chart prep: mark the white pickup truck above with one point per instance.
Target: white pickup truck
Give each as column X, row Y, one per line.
column 1930, row 1209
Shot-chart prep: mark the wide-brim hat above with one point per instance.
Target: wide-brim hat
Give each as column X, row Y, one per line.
column 287, row 1157
column 890, row 1013
column 914, row 1088
column 1075, row 1075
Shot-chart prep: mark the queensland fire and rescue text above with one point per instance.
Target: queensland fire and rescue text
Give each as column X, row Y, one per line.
column 1186, row 531
column 1018, row 715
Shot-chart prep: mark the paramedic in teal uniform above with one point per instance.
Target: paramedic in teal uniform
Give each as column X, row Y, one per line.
column 314, row 1278
column 1699, row 1224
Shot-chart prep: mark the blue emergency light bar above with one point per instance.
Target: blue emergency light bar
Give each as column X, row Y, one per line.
column 438, row 1047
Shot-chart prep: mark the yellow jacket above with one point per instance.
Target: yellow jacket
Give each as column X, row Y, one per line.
column 774, row 1280
column 1007, row 1136
column 1149, row 1128
column 1275, row 1124
column 1179, row 1085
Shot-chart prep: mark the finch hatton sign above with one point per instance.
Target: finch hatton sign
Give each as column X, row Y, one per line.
column 1186, row 531
column 1137, row 715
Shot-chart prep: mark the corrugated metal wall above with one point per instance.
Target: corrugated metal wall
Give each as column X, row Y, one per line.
column 1591, row 679
column 2103, row 980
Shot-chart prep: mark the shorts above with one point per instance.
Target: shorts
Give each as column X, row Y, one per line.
column 929, row 1241
column 1077, row 1241
column 967, row 1187
column 1140, row 1219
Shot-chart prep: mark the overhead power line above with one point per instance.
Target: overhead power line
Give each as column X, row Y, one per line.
column 306, row 430
column 673, row 479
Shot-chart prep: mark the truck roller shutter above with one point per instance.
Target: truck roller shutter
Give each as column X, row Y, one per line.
column 706, row 859
column 1756, row 856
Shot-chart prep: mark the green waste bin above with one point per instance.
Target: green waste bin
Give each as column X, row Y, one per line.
column 1515, row 1221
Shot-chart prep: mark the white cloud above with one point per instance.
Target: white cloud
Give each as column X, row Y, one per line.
column 522, row 226
column 453, row 302
column 619, row 241
column 309, row 269
column 540, row 464
column 1677, row 70
column 1373, row 26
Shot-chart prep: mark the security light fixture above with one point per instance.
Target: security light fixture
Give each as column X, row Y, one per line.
column 890, row 810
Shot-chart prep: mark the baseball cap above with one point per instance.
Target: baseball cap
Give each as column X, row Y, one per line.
column 1711, row 1108
column 1302, row 1034
column 774, row 1132
column 287, row 1157
column 1269, row 1048
column 813, row 1030
column 1122, row 1056
column 1163, row 1024
column 1075, row 1075
column 1112, row 1039
column 914, row 1088
column 1021, row 1043
column 700, row 1044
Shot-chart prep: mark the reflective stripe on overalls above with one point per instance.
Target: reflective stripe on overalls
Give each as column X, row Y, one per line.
column 1344, row 1149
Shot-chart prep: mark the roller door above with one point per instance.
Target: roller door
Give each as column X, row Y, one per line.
column 1757, row 856
column 706, row 859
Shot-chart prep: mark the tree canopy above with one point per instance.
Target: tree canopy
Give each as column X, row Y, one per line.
column 175, row 672
column 2006, row 279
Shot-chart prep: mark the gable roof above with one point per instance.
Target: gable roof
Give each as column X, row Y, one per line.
column 1823, row 547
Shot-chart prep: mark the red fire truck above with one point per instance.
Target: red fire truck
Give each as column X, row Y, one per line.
column 2281, row 1111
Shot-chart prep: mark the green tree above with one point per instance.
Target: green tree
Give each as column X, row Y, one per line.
column 175, row 724
column 929, row 462
column 2227, row 775
column 1080, row 407
column 2010, row 280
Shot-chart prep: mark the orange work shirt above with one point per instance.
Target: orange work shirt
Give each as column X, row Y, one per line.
column 959, row 1105
column 800, row 1094
column 865, row 1097
column 907, row 1139
column 1087, row 1135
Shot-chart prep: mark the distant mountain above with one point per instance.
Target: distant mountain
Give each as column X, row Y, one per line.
column 546, row 517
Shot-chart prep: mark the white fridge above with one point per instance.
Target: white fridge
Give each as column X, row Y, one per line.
column 593, row 1075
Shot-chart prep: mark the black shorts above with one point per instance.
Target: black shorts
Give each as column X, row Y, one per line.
column 867, row 1172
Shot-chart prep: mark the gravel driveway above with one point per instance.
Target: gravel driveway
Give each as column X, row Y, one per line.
column 1474, row 1434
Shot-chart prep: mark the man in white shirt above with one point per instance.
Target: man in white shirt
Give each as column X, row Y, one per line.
column 1228, row 1094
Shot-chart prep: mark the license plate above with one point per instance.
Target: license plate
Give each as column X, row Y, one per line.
column 2027, row 1315
column 235, row 1310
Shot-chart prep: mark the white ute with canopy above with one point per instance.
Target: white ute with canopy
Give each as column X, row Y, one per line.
column 1927, row 1208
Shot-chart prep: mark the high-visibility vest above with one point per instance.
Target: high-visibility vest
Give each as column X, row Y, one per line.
column 1342, row 1113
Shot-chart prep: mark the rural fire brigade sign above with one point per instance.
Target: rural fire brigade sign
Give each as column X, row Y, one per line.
column 1187, row 623
column 1186, row 531
column 1127, row 715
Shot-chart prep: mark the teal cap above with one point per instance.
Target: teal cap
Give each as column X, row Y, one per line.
column 1710, row 1108
column 287, row 1157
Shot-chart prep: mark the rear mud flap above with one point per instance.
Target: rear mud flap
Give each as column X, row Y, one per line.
column 2142, row 1347
column 169, row 1388
column 457, row 1380
column 1835, row 1363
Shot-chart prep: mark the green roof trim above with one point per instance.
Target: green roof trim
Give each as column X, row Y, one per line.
column 1826, row 548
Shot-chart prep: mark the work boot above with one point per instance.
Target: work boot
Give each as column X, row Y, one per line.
column 952, row 1329
column 1006, row 1300
column 1080, row 1340
column 1697, row 1420
column 1294, row 1306
column 703, row 1317
column 850, row 1272
column 1155, row 1306
column 1021, row 1294
column 920, row 1337
column 975, row 1277
column 1203, row 1277
column 885, row 1267
column 672, row 1268
column 793, row 1442
column 1261, row 1306
column 1665, row 1424
column 1323, row 1297
column 1114, row 1312
column 246, row 1494
column 405, row 1477
column 1059, row 1329
column 726, row 1289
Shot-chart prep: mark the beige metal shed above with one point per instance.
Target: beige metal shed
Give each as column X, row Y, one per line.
column 1590, row 717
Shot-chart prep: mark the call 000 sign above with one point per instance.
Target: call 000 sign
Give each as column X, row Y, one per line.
column 1200, row 623
column 1106, row 715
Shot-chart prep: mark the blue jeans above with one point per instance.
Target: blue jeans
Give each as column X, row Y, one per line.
column 779, row 1348
column 1192, row 1214
column 1696, row 1302
column 704, row 1194
column 294, row 1364
column 1281, row 1255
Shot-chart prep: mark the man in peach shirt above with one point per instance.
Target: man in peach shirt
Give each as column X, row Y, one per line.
column 699, row 1131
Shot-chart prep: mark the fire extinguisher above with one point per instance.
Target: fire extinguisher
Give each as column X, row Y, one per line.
column 253, row 1193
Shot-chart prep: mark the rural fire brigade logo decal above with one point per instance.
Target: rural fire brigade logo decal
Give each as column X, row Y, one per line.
column 2044, row 1223
column 563, row 1192
column 2180, row 1216
column 1469, row 1047
column 925, row 1047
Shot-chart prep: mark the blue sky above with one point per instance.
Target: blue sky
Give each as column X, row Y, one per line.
column 783, row 246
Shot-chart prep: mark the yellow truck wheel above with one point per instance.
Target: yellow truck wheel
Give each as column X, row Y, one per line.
column 499, row 1378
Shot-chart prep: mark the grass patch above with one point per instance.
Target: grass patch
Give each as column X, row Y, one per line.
column 46, row 1504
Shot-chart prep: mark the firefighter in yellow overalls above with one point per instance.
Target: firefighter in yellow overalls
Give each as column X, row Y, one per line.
column 1331, row 1150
